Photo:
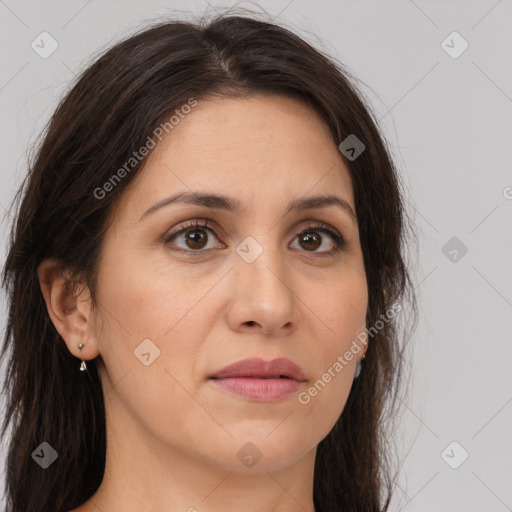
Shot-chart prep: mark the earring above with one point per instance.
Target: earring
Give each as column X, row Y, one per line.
column 358, row 368
column 83, row 366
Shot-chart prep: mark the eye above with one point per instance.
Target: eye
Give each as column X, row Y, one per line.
column 194, row 235
column 311, row 239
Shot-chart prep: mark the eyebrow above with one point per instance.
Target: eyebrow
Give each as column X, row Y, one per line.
column 218, row 202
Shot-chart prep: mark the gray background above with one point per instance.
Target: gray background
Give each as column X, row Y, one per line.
column 448, row 121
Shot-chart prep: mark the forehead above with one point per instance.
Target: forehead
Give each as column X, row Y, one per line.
column 262, row 147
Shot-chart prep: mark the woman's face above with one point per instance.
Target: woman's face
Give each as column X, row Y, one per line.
column 178, row 303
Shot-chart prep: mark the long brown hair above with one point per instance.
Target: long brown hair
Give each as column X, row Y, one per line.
column 109, row 112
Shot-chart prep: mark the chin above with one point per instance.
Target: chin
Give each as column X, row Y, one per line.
column 260, row 454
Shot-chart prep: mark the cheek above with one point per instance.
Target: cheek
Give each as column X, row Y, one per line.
column 140, row 301
column 341, row 308
column 148, row 298
column 323, row 401
column 153, row 331
column 341, row 312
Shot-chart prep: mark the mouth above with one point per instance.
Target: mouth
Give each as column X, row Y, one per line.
column 261, row 381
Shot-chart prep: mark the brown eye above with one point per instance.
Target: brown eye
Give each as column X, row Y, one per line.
column 191, row 238
column 310, row 240
column 314, row 237
column 196, row 238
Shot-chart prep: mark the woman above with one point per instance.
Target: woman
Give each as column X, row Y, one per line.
column 204, row 278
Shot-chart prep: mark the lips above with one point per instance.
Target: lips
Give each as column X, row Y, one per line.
column 256, row 368
column 260, row 381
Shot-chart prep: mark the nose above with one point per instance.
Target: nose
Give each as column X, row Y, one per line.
column 263, row 300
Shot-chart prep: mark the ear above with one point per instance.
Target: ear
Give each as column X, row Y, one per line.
column 69, row 307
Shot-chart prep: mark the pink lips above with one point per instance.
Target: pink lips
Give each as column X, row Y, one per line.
column 259, row 380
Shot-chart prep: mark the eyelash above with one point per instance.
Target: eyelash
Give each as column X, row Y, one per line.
column 339, row 241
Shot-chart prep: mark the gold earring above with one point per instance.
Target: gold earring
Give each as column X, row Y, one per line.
column 83, row 366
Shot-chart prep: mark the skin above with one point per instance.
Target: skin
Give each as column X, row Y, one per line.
column 172, row 435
